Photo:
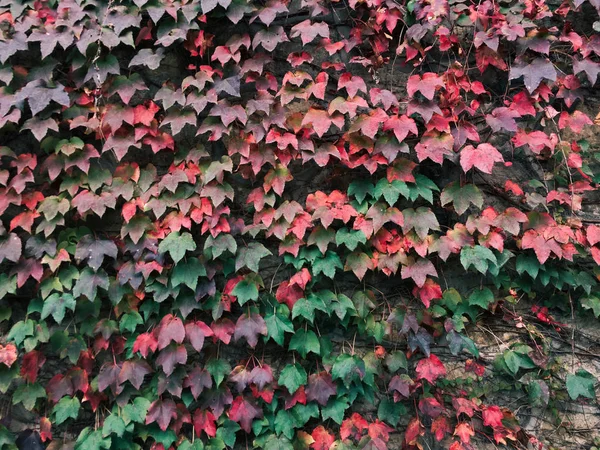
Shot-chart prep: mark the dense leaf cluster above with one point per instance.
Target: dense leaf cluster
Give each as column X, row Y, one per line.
column 201, row 202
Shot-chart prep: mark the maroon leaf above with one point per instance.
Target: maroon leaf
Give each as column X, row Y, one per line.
column 250, row 327
column 162, row 412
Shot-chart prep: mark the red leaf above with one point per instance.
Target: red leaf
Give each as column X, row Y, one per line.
column 430, row 291
column 197, row 380
column 31, row 364
column 353, row 426
column 196, row 332
column 320, row 388
column 8, row 354
column 483, row 157
column 45, row 429
column 413, row 431
column 309, row 31
column 134, row 371
column 170, row 356
column 323, row 440
column 244, row 411
column 419, row 271
column 379, row 430
column 352, row 84
column 162, row 412
column 250, row 327
column 464, row 431
column 440, row 428
column 145, row 343
column 492, row 416
column 430, row 369
column 205, row 421
column 170, row 329
column 426, row 84
column 223, row 329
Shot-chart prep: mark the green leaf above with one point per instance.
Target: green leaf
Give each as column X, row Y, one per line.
column 512, row 360
column 529, row 264
column 327, row 264
column 218, row 368
column 8, row 285
column 66, row 408
column 278, row 443
column 335, row 409
column 481, row 297
column 113, row 424
column 350, row 238
column 306, row 307
column 20, row 331
column 188, row 273
column 348, row 367
column 461, row 196
column 130, row 321
column 285, row 424
column 478, row 257
column 217, row 246
column 177, row 245
column 360, row 189
column 56, row 305
column 292, row 377
column 391, row 191
column 591, row 302
column 247, row 289
column 277, row 326
column 227, row 431
column 136, row 411
column 390, row 411
column 250, row 256
column 304, row 342
column 89, row 282
column 92, row 440
column 28, row 395
column 581, row 384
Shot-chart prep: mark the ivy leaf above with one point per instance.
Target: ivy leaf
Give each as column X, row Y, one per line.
column 292, row 377
column 320, row 388
column 327, row 264
column 162, row 412
column 218, row 369
column 581, row 384
column 478, row 256
column 177, row 245
column 244, row 411
column 250, row 256
column 188, row 273
column 170, row 329
column 92, row 440
column 533, row 73
column 348, row 367
column 483, row 157
column 461, row 196
column 277, row 326
column 56, row 305
column 93, row 251
column 113, row 424
column 66, row 408
column 419, row 271
column 430, row 369
column 28, row 395
column 304, row 342
column 335, row 410
column 481, row 297
column 88, row 283
column 136, row 411
column 250, row 326
column 134, row 371
column 205, row 421
column 359, row 263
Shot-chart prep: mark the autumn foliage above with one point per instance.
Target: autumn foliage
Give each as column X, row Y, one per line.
column 232, row 222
